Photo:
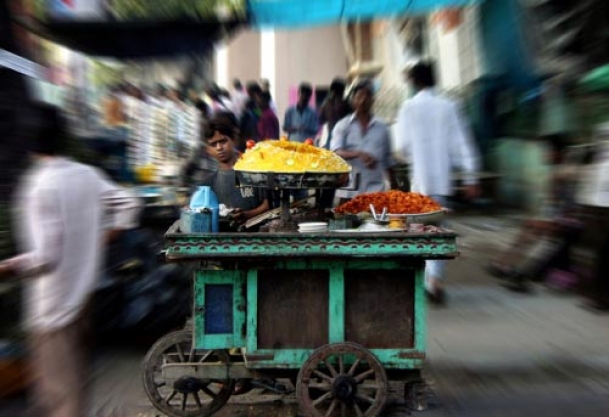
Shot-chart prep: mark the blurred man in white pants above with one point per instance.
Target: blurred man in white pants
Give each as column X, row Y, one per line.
column 432, row 135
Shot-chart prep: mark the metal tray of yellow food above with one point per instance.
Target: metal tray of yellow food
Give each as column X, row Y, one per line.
column 292, row 180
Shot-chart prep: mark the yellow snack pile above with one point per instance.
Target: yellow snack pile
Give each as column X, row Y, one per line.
column 288, row 157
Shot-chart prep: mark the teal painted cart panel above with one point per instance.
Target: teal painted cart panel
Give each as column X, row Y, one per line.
column 181, row 247
column 246, row 317
column 278, row 297
column 231, row 331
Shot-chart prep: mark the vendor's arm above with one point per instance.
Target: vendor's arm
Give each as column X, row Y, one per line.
column 339, row 141
column 243, row 215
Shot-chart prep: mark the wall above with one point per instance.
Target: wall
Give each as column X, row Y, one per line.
column 457, row 52
column 313, row 55
column 244, row 60
column 285, row 58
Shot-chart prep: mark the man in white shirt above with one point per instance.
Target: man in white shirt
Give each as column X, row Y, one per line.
column 67, row 210
column 433, row 137
column 239, row 98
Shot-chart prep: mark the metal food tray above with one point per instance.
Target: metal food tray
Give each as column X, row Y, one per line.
column 425, row 218
column 431, row 217
column 292, row 180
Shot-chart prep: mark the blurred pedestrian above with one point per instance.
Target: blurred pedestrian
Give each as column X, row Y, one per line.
column 432, row 135
column 66, row 212
column 363, row 140
column 301, row 121
column 248, row 124
column 196, row 101
column 219, row 100
column 334, row 108
column 268, row 124
column 265, row 85
column 239, row 98
column 556, row 226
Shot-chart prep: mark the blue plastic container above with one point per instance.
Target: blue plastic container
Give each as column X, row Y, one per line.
column 203, row 213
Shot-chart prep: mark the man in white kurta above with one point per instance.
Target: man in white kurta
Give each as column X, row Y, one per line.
column 65, row 211
column 432, row 135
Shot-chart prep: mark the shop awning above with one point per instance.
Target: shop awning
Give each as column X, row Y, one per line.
column 298, row 13
column 136, row 39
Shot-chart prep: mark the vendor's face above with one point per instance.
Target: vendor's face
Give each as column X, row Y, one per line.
column 222, row 146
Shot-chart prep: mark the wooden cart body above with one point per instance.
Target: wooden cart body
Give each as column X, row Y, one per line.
column 280, row 296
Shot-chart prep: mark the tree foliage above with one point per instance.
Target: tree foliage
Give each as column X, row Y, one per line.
column 176, row 9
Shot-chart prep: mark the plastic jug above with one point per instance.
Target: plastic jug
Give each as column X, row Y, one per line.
column 205, row 201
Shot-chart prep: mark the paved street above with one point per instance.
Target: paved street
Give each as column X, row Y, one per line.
column 491, row 352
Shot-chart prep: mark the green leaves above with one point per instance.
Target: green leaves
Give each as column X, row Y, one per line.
column 178, row 9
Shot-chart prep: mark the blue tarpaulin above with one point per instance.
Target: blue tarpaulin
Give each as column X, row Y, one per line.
column 298, row 13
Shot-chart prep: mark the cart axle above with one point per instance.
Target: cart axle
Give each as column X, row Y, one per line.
column 344, row 387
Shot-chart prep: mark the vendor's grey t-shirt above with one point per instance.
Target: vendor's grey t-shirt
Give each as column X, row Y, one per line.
column 222, row 183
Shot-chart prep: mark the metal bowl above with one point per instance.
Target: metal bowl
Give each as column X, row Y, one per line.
column 293, row 180
column 424, row 218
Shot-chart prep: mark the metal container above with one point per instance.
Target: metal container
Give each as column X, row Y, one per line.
column 292, row 180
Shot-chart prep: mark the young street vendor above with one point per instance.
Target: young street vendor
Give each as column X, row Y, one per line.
column 247, row 202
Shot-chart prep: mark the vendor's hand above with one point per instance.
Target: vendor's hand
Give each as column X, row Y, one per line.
column 367, row 159
column 472, row 191
column 239, row 216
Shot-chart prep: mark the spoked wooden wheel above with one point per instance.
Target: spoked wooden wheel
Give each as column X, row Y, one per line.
column 187, row 396
column 341, row 380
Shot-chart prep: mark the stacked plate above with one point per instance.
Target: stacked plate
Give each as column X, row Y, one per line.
column 313, row 227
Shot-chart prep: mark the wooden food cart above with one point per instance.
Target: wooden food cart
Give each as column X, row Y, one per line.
column 338, row 313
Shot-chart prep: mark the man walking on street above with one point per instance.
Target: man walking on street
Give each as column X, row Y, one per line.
column 433, row 136
column 67, row 211
column 300, row 121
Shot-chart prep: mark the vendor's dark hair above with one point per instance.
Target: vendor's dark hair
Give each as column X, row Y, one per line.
column 224, row 122
column 46, row 129
column 422, row 74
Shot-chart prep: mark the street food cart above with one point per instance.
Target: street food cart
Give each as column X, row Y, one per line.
column 339, row 313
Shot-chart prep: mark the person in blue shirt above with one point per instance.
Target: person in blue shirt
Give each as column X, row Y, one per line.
column 301, row 121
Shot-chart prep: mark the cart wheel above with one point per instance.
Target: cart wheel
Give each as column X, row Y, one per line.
column 188, row 396
column 342, row 379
